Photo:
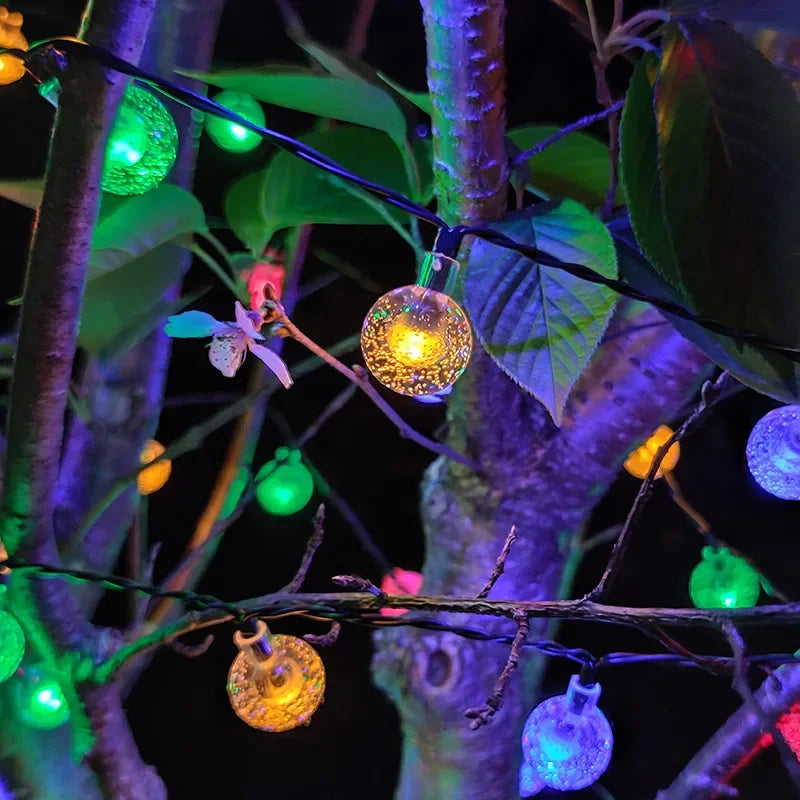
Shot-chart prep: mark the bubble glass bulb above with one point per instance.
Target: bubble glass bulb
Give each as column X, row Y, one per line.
column 566, row 741
column 142, row 145
column 416, row 341
column 229, row 135
column 279, row 688
column 284, row 485
column 773, row 452
column 40, row 700
column 723, row 580
column 12, row 643
column 638, row 463
column 153, row 478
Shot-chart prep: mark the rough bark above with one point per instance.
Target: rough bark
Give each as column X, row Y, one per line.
column 544, row 480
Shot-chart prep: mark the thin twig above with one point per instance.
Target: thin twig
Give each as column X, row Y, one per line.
column 583, row 122
column 710, row 394
column 311, row 548
column 347, row 269
column 355, row 583
column 335, row 405
column 360, row 378
column 482, row 714
column 607, row 535
column 742, row 686
column 325, row 639
column 500, row 564
column 191, row 650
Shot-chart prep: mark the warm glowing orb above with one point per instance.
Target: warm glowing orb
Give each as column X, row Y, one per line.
column 153, row 478
column 416, row 341
column 640, row 460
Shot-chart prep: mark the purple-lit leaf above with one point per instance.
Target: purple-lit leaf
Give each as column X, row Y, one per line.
column 539, row 324
column 273, row 362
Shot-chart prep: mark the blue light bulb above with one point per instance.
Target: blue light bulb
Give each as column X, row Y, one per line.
column 566, row 741
column 773, row 452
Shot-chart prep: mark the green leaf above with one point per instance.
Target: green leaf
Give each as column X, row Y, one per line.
column 422, row 100
column 26, row 191
column 140, row 224
column 576, row 166
column 539, row 324
column 780, row 14
column 639, row 173
column 345, row 99
column 291, row 192
column 767, row 372
column 728, row 127
column 115, row 301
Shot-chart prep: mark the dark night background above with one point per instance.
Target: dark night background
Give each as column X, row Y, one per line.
column 179, row 709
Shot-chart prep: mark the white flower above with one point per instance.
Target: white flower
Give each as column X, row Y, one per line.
column 230, row 341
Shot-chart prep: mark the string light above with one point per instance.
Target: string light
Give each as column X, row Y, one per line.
column 11, row 67
column 284, row 485
column 232, row 136
column 773, row 452
column 275, row 683
column 39, row 699
column 416, row 340
column 638, row 463
column 12, row 642
column 566, row 742
column 153, row 478
column 723, row 580
column 142, row 145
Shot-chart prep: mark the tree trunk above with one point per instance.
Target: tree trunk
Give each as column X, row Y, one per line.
column 544, row 480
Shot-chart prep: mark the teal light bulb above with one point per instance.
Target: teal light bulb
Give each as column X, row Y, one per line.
column 12, row 645
column 723, row 580
column 566, row 741
column 39, row 699
column 229, row 135
column 142, row 145
column 284, row 485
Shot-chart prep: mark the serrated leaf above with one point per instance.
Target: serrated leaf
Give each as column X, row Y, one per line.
column 576, row 166
column 780, row 14
column 539, row 324
column 141, row 223
column 291, row 192
column 767, row 372
column 728, row 126
column 639, row 171
column 345, row 99
column 25, row 191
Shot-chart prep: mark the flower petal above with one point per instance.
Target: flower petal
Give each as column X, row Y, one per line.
column 227, row 353
column 273, row 362
column 192, row 325
column 245, row 323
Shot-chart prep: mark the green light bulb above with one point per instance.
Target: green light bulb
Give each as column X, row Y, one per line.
column 40, row 700
column 284, row 485
column 723, row 580
column 228, row 135
column 142, row 145
column 12, row 645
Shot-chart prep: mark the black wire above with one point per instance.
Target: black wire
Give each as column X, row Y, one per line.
column 311, row 156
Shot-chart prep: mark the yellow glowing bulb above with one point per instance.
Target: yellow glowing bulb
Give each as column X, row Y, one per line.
column 416, row 341
column 11, row 67
column 153, row 478
column 639, row 461
column 275, row 683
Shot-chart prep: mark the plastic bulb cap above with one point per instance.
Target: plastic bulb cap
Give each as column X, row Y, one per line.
column 229, row 135
column 773, row 452
column 723, row 580
column 284, row 485
column 39, row 699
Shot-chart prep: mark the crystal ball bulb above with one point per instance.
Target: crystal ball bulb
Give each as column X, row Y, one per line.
column 723, row 580
column 281, row 692
column 39, row 699
column 229, row 135
column 773, row 452
column 284, row 485
column 12, row 645
column 416, row 341
column 566, row 744
column 142, row 145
